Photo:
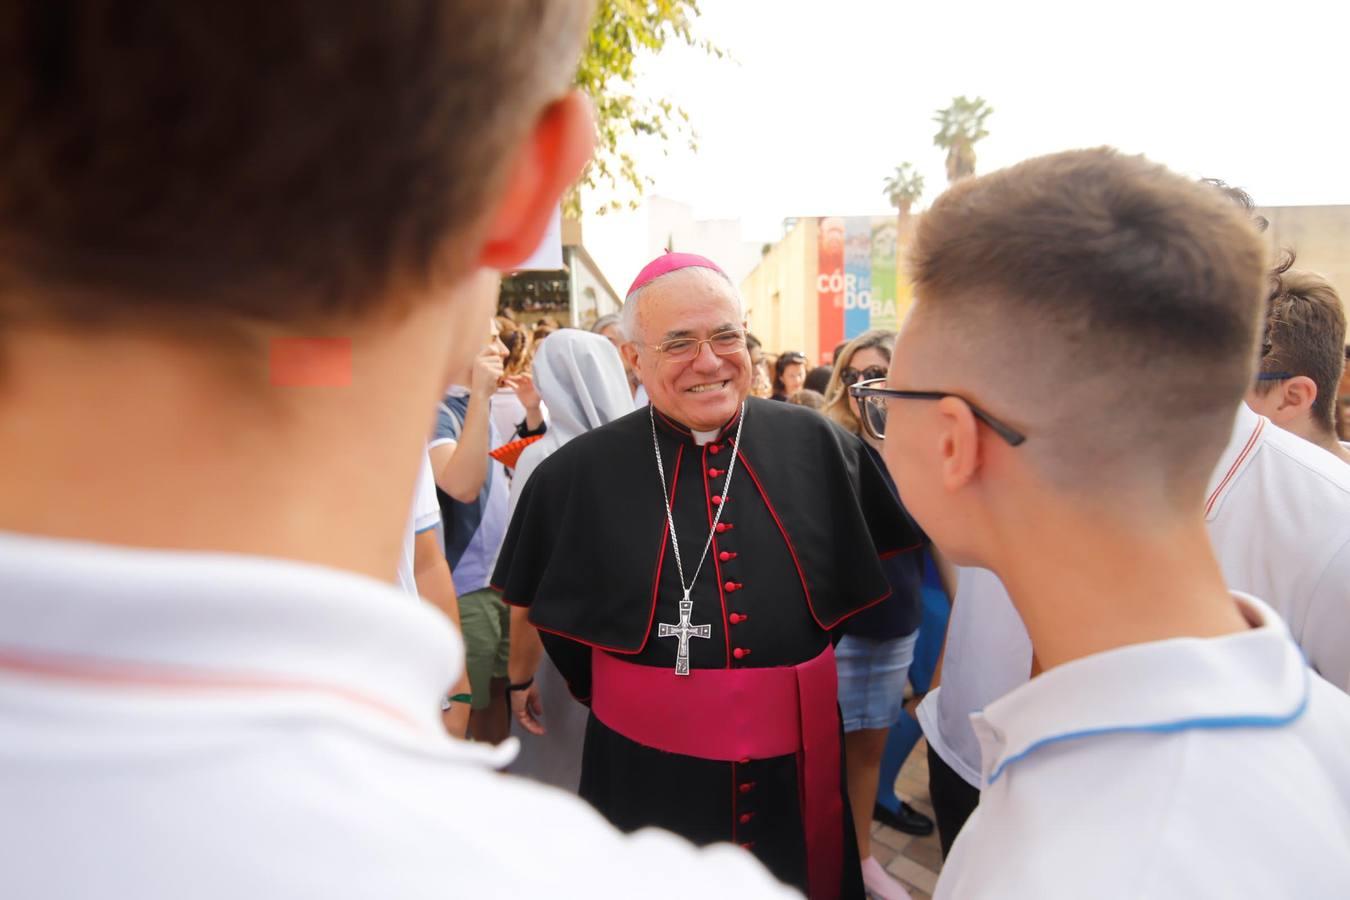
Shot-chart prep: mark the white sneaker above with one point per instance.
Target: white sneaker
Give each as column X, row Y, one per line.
column 880, row 884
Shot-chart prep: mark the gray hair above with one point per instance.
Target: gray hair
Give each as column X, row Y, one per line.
column 630, row 303
column 605, row 321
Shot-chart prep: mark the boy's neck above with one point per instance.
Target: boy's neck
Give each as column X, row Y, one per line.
column 148, row 443
column 1312, row 432
column 1083, row 586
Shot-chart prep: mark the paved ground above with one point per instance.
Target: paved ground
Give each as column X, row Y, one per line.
column 915, row 861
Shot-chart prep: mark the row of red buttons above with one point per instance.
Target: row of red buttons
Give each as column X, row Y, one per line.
column 726, row 556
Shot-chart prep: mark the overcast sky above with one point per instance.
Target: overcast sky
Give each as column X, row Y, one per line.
column 825, row 98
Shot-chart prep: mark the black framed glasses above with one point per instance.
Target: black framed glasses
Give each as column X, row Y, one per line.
column 850, row 376
column 873, row 395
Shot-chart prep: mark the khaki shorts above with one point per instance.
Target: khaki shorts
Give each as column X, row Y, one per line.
column 486, row 623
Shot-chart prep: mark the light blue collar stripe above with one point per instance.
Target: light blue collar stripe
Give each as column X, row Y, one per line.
column 1169, row 727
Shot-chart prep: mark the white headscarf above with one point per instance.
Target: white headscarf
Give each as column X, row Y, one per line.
column 581, row 380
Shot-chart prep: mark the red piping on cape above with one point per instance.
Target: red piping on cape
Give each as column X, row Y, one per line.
column 793, row 550
column 890, row 553
column 717, row 566
column 1237, row 464
column 656, row 586
column 143, row 675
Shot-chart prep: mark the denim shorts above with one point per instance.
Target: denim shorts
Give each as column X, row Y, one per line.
column 872, row 677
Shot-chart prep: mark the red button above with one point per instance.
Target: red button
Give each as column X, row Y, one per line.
column 740, row 653
column 726, row 555
column 717, row 498
column 746, row 817
column 747, row 787
column 724, row 526
column 749, row 845
column 714, row 473
column 731, row 586
column 736, row 618
column 714, row 449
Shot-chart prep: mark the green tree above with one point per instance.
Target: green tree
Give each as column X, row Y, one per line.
column 961, row 125
column 904, row 188
column 623, row 30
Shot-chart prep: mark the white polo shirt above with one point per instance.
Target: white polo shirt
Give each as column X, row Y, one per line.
column 1278, row 514
column 1187, row 768
column 217, row 727
column 424, row 516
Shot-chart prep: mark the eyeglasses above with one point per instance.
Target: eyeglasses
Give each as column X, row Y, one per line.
column 850, row 375
column 724, row 343
column 1274, row 376
column 872, row 398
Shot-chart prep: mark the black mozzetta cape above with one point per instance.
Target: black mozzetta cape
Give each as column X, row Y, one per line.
column 808, row 514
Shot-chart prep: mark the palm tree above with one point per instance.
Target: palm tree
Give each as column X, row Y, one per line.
column 904, row 188
column 961, row 125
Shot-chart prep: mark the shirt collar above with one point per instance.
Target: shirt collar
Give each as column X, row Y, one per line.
column 1256, row 678
column 1248, row 429
column 671, row 426
column 214, row 624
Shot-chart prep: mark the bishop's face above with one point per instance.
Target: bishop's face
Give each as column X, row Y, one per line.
column 705, row 391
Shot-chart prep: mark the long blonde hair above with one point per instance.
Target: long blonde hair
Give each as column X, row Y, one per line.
column 837, row 406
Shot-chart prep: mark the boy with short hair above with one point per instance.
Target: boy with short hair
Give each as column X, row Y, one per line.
column 244, row 245
column 1302, row 358
column 1151, row 754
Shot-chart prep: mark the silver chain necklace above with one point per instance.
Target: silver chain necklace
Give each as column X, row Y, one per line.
column 684, row 630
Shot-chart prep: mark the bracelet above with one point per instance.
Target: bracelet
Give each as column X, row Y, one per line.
column 523, row 686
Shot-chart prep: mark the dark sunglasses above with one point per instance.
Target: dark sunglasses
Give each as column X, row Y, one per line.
column 873, row 396
column 850, row 375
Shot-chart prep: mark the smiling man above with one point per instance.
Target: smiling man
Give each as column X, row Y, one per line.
column 685, row 565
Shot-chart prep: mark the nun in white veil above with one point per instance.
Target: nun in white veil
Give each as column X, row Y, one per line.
column 581, row 380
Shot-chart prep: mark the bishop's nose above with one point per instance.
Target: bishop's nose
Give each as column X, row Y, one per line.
column 706, row 360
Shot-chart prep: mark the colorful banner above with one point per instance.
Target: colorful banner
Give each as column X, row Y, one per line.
column 861, row 282
column 830, row 286
column 857, row 276
column 883, row 274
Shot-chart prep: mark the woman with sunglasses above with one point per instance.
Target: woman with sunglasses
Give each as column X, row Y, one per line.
column 877, row 649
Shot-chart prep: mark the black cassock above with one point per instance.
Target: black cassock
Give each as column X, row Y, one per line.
column 796, row 553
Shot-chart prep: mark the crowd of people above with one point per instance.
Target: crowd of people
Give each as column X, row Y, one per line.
column 303, row 540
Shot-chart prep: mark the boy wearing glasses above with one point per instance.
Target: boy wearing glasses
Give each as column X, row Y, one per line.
column 685, row 566
column 1154, row 751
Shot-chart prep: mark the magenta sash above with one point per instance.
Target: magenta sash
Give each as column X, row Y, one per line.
column 735, row 714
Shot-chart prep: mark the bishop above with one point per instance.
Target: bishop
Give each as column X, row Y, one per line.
column 761, row 521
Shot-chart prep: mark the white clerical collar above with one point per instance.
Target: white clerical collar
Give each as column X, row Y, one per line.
column 222, row 624
column 704, row 437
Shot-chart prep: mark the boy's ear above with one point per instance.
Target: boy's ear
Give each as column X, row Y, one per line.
column 959, row 443
column 549, row 161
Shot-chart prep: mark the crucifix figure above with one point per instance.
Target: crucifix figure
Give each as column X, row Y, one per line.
column 684, row 631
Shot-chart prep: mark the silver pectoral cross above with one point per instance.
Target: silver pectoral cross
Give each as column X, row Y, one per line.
column 684, row 631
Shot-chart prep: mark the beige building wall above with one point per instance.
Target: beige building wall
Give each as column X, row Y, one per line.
column 780, row 293
column 1320, row 235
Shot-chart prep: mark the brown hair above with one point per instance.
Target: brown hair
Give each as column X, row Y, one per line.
column 517, row 343
column 1108, row 304
column 286, row 161
column 1305, row 335
column 837, row 406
